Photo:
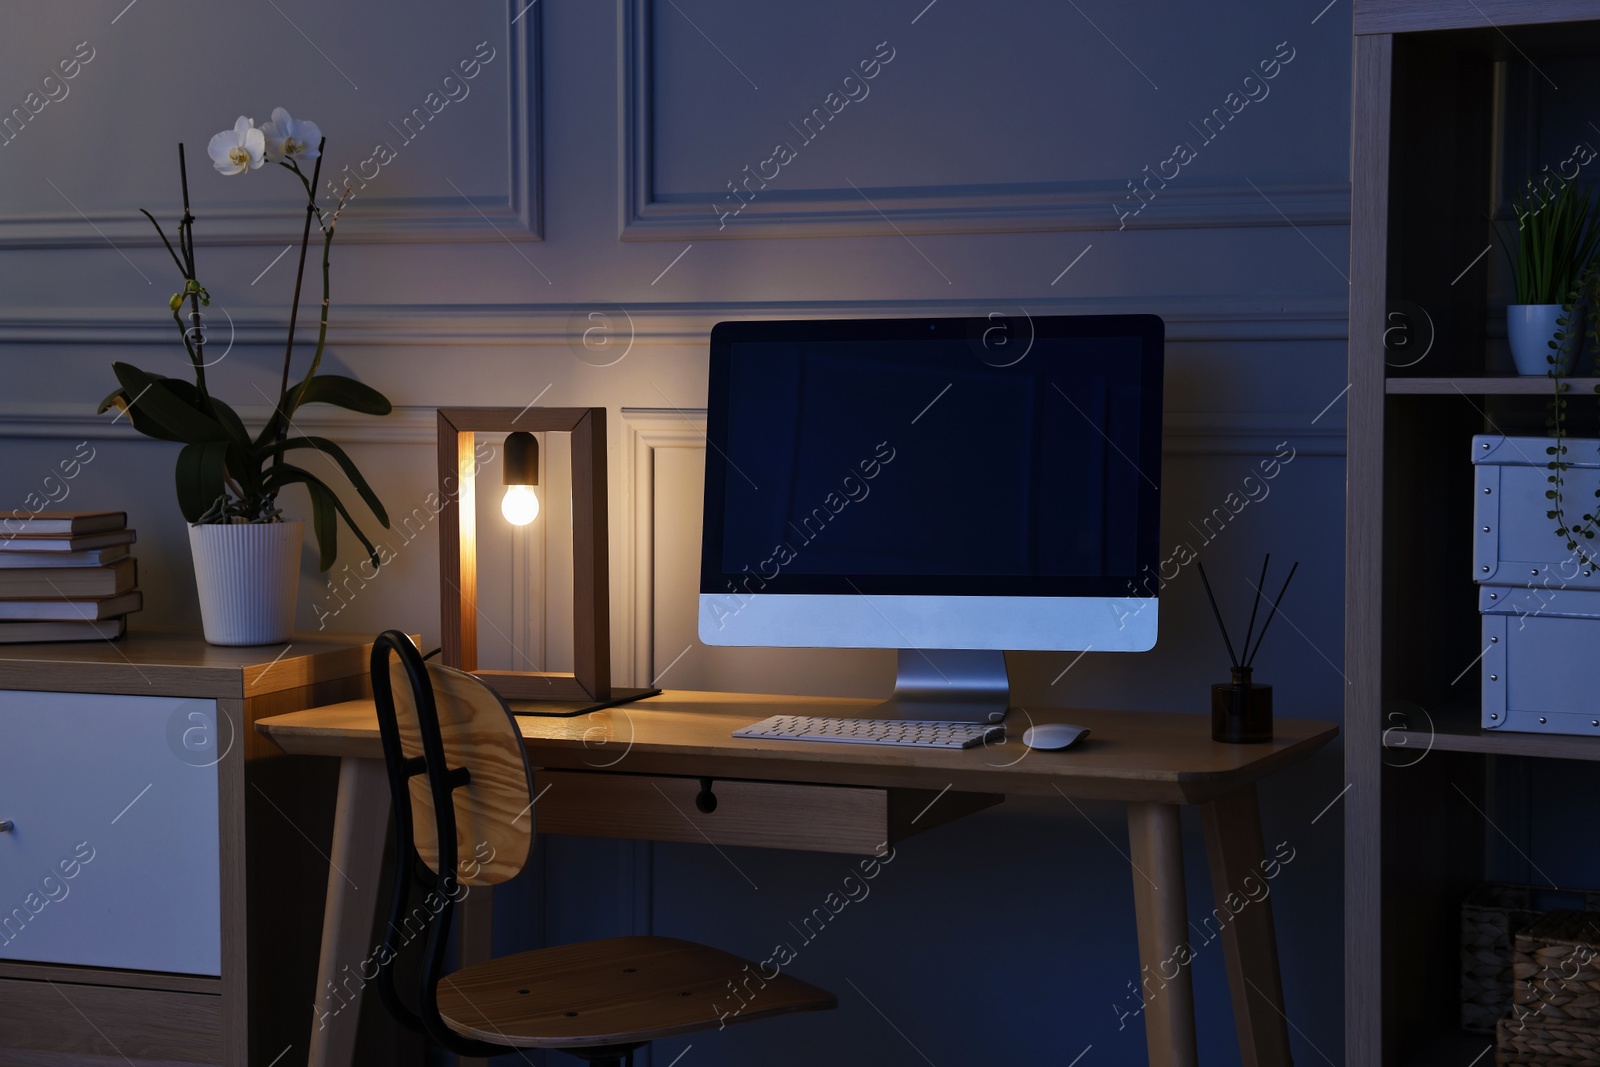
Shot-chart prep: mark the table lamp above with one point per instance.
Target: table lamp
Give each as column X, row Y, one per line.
column 588, row 687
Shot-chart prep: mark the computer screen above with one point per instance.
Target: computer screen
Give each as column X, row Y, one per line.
column 906, row 457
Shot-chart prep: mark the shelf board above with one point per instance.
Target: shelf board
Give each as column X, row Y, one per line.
column 1479, row 385
column 1457, row 730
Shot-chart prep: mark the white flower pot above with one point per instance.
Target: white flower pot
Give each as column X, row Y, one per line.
column 248, row 577
column 1531, row 327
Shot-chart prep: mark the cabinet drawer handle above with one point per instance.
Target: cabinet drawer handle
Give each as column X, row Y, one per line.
column 6, row 826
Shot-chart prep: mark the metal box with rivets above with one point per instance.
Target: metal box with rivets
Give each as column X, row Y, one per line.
column 1538, row 599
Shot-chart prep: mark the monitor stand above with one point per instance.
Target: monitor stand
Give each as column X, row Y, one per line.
column 949, row 685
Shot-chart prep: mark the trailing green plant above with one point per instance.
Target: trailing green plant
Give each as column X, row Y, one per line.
column 1556, row 240
column 1584, row 293
column 224, row 472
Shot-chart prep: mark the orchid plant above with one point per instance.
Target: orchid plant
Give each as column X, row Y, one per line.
column 224, row 473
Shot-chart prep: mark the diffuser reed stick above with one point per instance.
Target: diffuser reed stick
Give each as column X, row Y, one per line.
column 1274, row 612
column 1232, row 657
column 1250, row 653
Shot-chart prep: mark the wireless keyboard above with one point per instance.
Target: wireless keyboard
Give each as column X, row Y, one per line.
column 906, row 733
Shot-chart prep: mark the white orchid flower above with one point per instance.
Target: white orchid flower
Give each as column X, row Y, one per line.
column 240, row 149
column 289, row 138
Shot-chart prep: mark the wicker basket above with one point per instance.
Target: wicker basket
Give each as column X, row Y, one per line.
column 1541, row 1042
column 1556, row 967
column 1490, row 918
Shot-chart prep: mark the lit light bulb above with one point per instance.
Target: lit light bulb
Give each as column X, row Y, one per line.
column 520, row 505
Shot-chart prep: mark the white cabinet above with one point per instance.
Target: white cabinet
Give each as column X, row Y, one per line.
column 161, row 878
column 112, row 858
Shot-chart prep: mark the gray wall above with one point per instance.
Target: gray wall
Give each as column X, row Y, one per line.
column 581, row 181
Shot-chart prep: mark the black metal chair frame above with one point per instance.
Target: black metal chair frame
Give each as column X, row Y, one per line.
column 442, row 783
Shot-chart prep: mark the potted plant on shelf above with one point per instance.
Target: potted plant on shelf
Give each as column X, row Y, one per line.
column 246, row 554
column 1556, row 240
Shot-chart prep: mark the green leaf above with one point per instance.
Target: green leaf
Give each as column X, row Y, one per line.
column 332, row 389
column 243, row 464
column 344, row 393
column 338, row 455
column 325, row 524
column 137, row 416
column 327, row 532
column 164, row 408
column 231, row 422
column 200, row 477
column 111, row 398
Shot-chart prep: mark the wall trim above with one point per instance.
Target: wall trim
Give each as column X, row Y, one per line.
column 644, row 431
column 995, row 207
column 1188, row 319
column 1186, row 433
column 23, row 420
column 518, row 216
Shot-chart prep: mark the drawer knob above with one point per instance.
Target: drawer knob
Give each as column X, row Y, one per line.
column 6, row 826
column 706, row 800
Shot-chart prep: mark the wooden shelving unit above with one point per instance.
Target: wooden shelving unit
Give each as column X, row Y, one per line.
column 1455, row 101
column 1481, row 385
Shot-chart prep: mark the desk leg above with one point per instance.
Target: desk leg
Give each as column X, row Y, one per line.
column 1249, row 945
column 1155, row 841
column 360, row 825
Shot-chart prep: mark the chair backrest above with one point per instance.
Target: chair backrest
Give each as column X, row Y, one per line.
column 462, row 795
column 470, row 727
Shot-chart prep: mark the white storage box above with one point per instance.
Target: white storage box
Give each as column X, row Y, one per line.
column 1514, row 541
column 1539, row 675
column 1539, row 601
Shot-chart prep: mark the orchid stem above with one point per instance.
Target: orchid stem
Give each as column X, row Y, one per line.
column 284, row 412
column 186, row 242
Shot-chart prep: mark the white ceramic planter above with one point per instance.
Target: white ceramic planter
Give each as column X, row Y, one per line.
column 248, row 577
column 1530, row 328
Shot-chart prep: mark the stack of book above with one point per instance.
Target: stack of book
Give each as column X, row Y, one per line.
column 66, row 576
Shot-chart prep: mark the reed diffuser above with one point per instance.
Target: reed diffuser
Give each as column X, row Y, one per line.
column 1241, row 711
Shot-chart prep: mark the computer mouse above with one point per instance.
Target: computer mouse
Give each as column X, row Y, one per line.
column 1052, row 735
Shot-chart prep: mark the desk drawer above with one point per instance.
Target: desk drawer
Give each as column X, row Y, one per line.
column 792, row 815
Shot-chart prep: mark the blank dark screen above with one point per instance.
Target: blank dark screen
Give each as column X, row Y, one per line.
column 892, row 459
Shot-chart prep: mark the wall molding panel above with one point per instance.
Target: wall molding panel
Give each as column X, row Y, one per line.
column 518, row 216
column 1186, row 433
column 1188, row 319
column 78, row 422
column 644, row 431
column 996, row 207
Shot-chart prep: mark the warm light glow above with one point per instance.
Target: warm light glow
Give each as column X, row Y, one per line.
column 520, row 506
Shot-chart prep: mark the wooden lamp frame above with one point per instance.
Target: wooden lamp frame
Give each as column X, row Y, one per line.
column 589, row 684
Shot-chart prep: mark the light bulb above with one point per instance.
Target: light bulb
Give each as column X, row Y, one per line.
column 520, row 505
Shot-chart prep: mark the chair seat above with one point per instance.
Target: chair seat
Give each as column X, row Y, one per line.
column 618, row 991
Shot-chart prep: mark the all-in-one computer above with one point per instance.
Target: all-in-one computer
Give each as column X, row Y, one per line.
column 953, row 488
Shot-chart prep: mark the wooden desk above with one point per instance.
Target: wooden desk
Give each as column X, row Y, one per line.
column 1154, row 762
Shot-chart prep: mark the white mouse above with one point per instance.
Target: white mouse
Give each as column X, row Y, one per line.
column 1052, row 735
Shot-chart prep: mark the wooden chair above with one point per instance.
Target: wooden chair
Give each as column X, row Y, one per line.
column 462, row 797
